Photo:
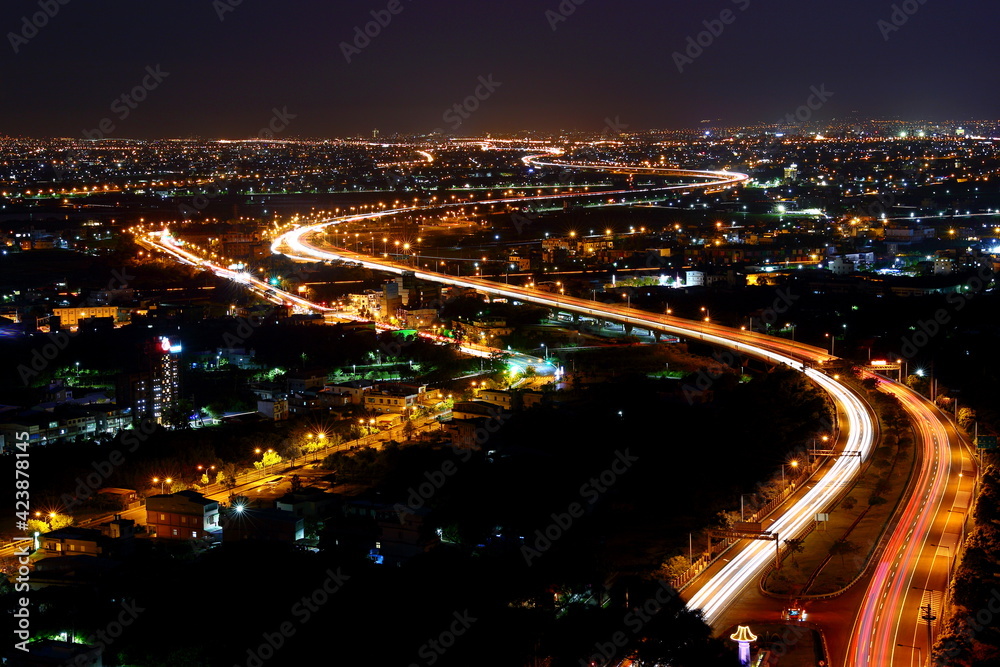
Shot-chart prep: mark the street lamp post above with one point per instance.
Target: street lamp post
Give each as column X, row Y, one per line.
column 832, row 338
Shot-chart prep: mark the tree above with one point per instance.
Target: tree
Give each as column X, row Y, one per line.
column 205, row 481
column 37, row 526
column 269, row 458
column 55, row 522
column 843, row 547
column 220, row 477
column 965, row 417
column 229, row 472
column 849, row 503
column 796, row 545
column 674, row 567
column 409, row 429
column 727, row 519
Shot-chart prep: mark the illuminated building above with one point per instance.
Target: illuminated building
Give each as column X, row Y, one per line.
column 153, row 391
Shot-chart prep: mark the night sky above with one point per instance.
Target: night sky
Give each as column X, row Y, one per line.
column 605, row 60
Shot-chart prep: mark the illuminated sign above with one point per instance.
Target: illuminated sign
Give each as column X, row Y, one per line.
column 166, row 346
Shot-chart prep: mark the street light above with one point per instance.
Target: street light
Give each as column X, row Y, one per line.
column 832, row 339
column 708, row 314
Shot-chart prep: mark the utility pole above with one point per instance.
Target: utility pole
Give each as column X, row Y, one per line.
column 929, row 617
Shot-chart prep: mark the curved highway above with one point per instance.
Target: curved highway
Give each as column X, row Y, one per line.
column 884, row 629
column 718, row 593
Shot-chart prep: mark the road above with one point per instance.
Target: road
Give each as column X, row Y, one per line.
column 910, row 568
column 726, row 586
column 915, row 567
column 163, row 241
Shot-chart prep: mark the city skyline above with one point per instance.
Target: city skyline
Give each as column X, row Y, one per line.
column 224, row 69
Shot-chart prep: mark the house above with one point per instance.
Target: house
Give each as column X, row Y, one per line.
column 403, row 538
column 183, row 515
column 74, row 542
column 308, row 502
column 272, row 525
column 468, row 433
column 355, row 389
column 327, row 398
column 487, row 331
column 473, row 409
column 504, row 399
column 121, row 497
column 399, row 399
column 302, row 382
column 276, row 409
column 114, row 538
column 419, row 318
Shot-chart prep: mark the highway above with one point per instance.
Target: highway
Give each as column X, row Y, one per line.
column 163, row 241
column 914, row 568
column 910, row 568
column 717, row 594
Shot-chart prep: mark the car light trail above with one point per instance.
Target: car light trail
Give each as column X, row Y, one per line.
column 720, row 592
column 874, row 639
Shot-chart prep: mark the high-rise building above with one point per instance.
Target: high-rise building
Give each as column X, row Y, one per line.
column 792, row 173
column 391, row 300
column 153, row 390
